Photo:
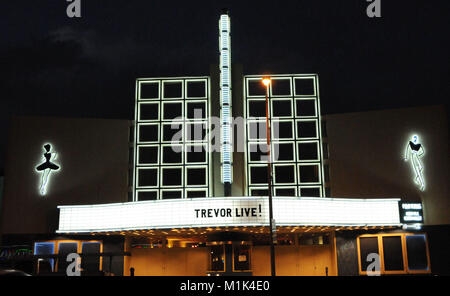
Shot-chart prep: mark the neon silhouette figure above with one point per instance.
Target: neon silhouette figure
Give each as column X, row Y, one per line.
column 414, row 151
column 46, row 168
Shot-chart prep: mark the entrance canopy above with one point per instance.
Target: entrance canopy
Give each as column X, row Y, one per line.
column 228, row 212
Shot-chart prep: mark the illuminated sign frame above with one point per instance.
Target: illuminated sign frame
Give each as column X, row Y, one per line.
column 225, row 99
column 414, row 152
column 230, row 211
column 46, row 168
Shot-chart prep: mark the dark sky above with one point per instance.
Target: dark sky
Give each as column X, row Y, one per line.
column 52, row 65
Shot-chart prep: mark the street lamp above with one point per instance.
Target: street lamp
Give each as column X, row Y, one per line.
column 266, row 81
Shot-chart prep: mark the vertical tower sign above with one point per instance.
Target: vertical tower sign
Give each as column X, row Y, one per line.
column 225, row 99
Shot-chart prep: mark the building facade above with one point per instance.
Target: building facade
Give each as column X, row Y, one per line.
column 183, row 188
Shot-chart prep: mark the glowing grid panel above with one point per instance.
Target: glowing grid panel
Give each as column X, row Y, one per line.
column 183, row 98
column 187, row 213
column 289, row 94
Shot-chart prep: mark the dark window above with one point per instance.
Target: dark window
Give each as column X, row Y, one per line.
column 392, row 251
column 172, row 176
column 65, row 249
column 149, row 90
column 172, row 156
column 309, row 173
column 285, row 174
column 148, row 133
column 90, row 263
column 306, row 107
column 196, row 89
column 196, row 193
column 281, row 87
column 195, row 131
column 257, row 108
column 284, row 192
column 304, row 87
column 241, row 257
column 148, row 154
column 148, row 111
column 367, row 245
column 195, row 153
column 283, row 151
column 172, row 110
column 258, row 152
column 173, row 89
column 417, row 252
column 196, row 110
column 256, row 88
column 306, row 129
column 260, row 192
column 308, row 151
column 257, row 130
column 196, row 176
column 148, row 177
column 166, row 194
column 170, row 131
column 147, row 195
column 258, row 175
column 281, row 108
column 282, row 129
column 310, row 192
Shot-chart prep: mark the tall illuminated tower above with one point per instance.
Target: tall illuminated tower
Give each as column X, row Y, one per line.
column 225, row 102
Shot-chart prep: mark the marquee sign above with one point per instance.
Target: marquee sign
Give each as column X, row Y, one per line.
column 232, row 211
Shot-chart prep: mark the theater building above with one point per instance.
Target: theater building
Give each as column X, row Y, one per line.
column 183, row 189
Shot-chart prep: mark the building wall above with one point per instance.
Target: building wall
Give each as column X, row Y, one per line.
column 366, row 152
column 167, row 261
column 93, row 159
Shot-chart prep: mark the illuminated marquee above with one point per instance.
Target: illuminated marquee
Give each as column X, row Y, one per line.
column 225, row 98
column 231, row 211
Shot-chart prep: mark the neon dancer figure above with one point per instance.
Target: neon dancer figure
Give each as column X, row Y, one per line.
column 415, row 151
column 46, row 168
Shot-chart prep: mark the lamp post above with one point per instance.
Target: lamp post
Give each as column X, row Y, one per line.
column 266, row 82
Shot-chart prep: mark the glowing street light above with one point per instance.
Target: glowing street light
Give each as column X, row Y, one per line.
column 266, row 81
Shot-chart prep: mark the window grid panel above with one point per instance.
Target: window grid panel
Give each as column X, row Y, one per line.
column 162, row 100
column 253, row 139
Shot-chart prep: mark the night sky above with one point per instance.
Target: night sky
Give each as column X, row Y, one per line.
column 53, row 65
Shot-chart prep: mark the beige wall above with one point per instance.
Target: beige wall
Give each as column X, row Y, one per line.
column 93, row 159
column 290, row 261
column 295, row 260
column 366, row 157
column 167, row 261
